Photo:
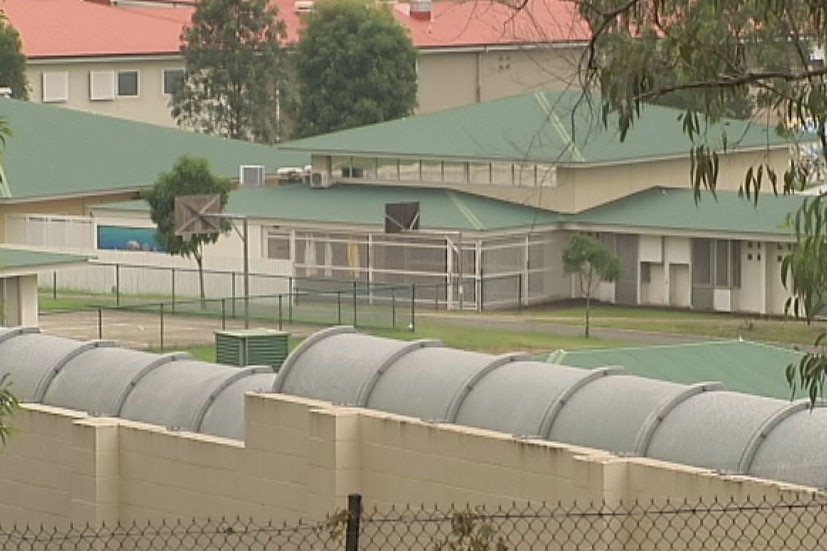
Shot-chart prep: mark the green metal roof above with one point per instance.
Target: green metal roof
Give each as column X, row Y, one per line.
column 742, row 366
column 675, row 209
column 55, row 151
column 363, row 204
column 17, row 259
column 538, row 127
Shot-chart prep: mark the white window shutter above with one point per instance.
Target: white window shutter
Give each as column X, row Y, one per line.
column 101, row 85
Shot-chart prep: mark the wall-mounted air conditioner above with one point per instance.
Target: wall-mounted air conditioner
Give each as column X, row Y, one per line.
column 251, row 175
column 320, row 180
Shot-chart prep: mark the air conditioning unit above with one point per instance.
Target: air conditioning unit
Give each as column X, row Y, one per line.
column 320, row 180
column 251, row 175
column 303, row 6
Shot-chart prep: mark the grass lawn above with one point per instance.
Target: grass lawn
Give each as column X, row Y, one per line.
column 510, row 337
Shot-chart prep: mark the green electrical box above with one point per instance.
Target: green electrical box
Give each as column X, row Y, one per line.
column 251, row 347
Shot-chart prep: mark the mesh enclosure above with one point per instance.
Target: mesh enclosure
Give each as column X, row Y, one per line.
column 774, row 525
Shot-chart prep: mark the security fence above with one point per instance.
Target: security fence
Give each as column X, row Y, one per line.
column 163, row 324
column 119, row 284
column 768, row 524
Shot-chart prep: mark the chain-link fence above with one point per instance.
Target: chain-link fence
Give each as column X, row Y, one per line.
column 776, row 525
column 163, row 324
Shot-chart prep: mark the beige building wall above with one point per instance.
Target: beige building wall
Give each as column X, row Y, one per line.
column 582, row 187
column 455, row 77
column 18, row 300
column 446, row 78
column 77, row 206
column 150, row 105
column 301, row 459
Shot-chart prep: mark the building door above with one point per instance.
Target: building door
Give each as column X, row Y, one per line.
column 679, row 287
column 626, row 248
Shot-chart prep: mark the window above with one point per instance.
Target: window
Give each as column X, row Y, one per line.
column 702, row 262
column 127, row 83
column 718, row 257
column 55, row 86
column 172, row 79
column 278, row 245
column 101, row 85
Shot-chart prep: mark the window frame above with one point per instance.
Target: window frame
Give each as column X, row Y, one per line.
column 124, row 72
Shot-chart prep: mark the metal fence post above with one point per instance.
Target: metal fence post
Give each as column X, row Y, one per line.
column 481, row 297
column 162, row 327
column 339, row 307
column 100, row 324
column 117, row 284
column 290, row 300
column 354, row 304
column 519, row 292
column 354, row 515
column 233, row 293
column 54, row 285
column 412, row 323
column 393, row 307
column 173, row 289
column 223, row 314
column 280, row 312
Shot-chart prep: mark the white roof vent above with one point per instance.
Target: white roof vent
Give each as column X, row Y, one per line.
column 251, row 175
column 303, row 6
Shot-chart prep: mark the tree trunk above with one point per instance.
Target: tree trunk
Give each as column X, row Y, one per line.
column 199, row 260
column 588, row 306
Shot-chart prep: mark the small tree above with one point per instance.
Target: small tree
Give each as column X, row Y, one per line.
column 589, row 259
column 8, row 403
column 234, row 70
column 12, row 60
column 355, row 65
column 5, row 133
column 189, row 176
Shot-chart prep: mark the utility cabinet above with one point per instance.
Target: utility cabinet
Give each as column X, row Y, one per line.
column 251, row 347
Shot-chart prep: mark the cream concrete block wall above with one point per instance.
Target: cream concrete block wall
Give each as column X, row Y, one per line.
column 410, row 461
column 95, row 470
column 37, row 467
column 301, row 458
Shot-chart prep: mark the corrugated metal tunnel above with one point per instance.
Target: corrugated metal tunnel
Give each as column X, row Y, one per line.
column 702, row 425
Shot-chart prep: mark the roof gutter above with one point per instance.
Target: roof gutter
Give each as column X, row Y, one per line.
column 485, row 48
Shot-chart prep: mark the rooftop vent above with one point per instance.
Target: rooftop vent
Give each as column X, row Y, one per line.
column 421, row 9
column 303, row 6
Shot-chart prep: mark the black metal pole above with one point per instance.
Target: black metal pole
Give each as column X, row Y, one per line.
column 173, row 289
column 118, row 284
column 162, row 327
column 100, row 324
column 413, row 307
column 354, row 510
column 354, row 304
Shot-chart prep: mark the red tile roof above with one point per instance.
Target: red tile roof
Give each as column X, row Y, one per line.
column 72, row 28
column 492, row 22
column 77, row 28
